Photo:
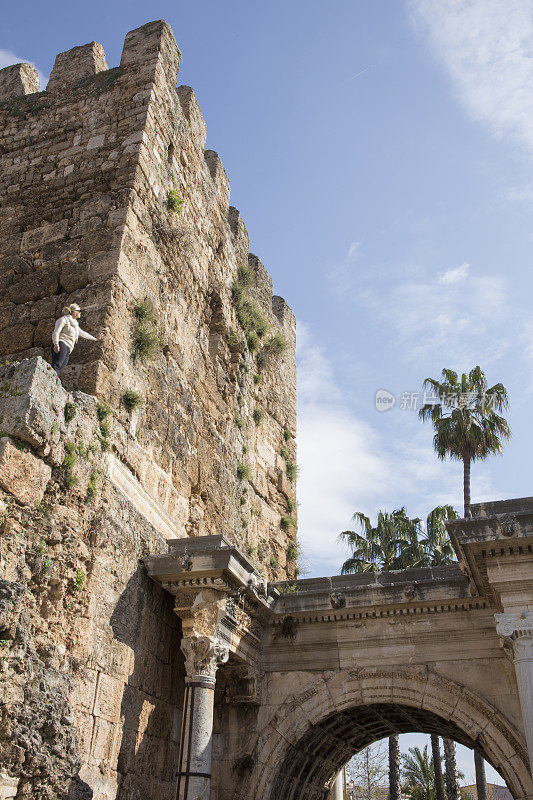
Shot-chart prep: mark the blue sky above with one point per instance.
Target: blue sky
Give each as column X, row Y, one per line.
column 380, row 152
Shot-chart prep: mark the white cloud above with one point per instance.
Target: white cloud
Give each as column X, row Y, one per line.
column 456, row 275
column 461, row 314
column 430, row 316
column 526, row 340
column 486, row 47
column 7, row 58
column 345, row 465
column 339, row 469
column 342, row 274
column 520, row 194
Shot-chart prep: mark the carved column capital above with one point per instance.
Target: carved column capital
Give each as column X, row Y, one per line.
column 200, row 610
column 203, row 654
column 516, row 631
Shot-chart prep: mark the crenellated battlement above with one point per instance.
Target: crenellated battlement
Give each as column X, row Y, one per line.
column 110, row 199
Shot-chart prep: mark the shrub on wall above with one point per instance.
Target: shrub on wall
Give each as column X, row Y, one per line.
column 132, row 399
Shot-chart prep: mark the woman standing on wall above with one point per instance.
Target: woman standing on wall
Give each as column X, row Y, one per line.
column 65, row 335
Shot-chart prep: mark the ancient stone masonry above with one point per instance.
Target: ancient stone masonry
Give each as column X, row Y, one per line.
column 155, row 641
column 109, row 198
column 91, row 673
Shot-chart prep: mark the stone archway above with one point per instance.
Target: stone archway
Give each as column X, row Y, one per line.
column 302, row 693
column 312, row 734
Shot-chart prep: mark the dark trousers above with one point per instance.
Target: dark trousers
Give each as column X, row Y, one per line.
column 60, row 360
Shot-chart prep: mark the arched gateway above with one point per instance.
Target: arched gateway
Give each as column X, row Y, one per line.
column 317, row 732
column 286, row 682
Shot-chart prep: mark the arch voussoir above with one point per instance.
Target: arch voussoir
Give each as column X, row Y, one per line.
column 316, row 730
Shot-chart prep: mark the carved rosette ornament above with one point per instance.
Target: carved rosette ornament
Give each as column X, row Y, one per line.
column 203, row 654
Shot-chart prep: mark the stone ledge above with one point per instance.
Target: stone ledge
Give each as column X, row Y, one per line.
column 130, row 487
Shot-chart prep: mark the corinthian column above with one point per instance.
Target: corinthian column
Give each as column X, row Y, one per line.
column 203, row 654
column 516, row 631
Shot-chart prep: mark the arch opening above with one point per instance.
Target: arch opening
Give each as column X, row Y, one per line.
column 311, row 763
column 336, row 714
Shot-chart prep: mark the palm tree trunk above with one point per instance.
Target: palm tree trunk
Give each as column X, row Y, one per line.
column 437, row 766
column 466, row 486
column 394, row 767
column 452, row 781
column 481, row 781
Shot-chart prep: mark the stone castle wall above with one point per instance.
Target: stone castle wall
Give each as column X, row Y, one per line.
column 109, row 199
column 87, row 167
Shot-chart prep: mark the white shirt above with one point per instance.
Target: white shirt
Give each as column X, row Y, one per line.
column 68, row 331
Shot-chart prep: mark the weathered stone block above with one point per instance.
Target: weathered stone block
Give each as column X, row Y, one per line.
column 8, row 786
column 35, row 286
column 16, row 337
column 108, row 697
column 74, row 65
column 18, row 79
column 31, row 400
column 43, row 333
column 74, row 277
column 150, row 46
column 22, row 474
column 193, row 114
column 53, row 232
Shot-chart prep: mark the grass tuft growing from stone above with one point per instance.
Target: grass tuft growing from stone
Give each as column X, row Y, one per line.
column 132, row 400
column 287, row 522
column 103, row 410
column 144, row 342
column 258, row 415
column 144, row 310
column 174, row 200
column 292, row 551
column 79, row 580
column 243, row 472
column 292, row 471
column 69, row 412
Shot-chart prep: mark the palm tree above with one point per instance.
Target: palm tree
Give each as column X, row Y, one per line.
column 481, row 781
column 437, row 767
column 467, row 428
column 438, row 549
column 386, row 546
column 395, row 787
column 419, row 774
column 452, row 775
column 467, row 425
column 436, row 543
column 391, row 544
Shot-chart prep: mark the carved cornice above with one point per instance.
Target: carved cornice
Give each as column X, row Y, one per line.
column 394, row 611
column 203, row 654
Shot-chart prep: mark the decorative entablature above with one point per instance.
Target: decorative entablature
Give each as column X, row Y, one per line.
column 495, row 548
column 220, row 595
column 218, row 592
column 428, row 590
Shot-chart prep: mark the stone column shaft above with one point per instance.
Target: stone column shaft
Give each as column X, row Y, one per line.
column 203, row 655
column 517, row 631
column 194, row 768
column 337, row 789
